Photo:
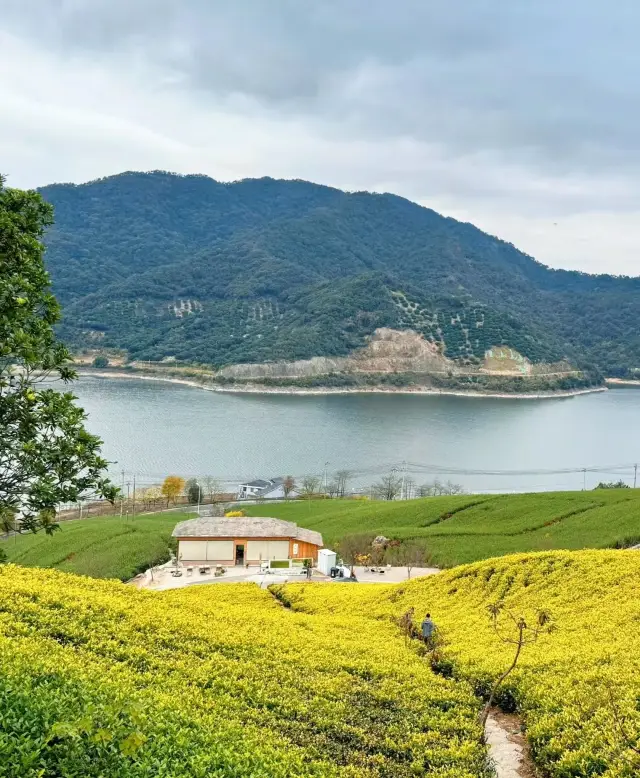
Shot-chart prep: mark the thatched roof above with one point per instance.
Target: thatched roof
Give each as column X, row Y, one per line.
column 244, row 527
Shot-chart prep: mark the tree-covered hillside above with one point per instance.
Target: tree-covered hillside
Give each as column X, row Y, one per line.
column 258, row 270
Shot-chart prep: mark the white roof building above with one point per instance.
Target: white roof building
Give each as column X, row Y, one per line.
column 244, row 540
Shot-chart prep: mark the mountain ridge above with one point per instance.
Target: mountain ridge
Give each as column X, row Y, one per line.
column 261, row 270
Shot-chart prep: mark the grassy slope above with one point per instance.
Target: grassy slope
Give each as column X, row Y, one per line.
column 561, row 683
column 102, row 547
column 467, row 528
column 454, row 530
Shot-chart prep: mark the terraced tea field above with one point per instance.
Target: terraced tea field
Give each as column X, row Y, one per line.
column 101, row 679
column 466, row 528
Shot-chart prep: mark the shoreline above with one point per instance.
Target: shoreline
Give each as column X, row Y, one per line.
column 294, row 390
column 622, row 382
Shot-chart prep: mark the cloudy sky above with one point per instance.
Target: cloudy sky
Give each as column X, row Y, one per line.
column 522, row 116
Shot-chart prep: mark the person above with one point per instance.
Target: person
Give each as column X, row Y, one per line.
column 428, row 629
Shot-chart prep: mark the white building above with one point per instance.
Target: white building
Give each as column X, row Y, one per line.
column 246, row 540
column 271, row 489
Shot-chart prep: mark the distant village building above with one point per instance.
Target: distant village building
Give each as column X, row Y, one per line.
column 246, row 540
column 271, row 489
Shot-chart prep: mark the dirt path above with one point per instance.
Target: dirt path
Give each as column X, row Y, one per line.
column 508, row 748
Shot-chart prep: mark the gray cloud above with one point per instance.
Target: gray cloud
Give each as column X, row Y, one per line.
column 484, row 107
column 553, row 81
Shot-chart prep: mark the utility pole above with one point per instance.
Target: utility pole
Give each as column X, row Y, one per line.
column 584, row 480
column 635, row 475
column 122, row 494
column 134, row 495
column 128, row 496
column 326, row 465
column 199, row 490
column 404, row 477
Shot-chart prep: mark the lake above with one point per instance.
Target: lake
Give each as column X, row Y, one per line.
column 153, row 429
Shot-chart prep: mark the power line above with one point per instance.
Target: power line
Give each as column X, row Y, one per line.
column 416, row 467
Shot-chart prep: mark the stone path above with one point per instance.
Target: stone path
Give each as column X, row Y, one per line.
column 508, row 748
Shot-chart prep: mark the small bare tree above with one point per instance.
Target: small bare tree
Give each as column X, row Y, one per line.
column 409, row 489
column 389, row 487
column 353, row 548
column 342, row 480
column 522, row 634
column 212, row 487
column 437, row 488
column 410, row 555
column 406, row 624
column 152, row 496
column 310, row 486
column 288, row 485
column 332, row 489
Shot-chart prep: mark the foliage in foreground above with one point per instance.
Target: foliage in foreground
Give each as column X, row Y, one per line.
column 46, row 455
column 577, row 688
column 100, row 679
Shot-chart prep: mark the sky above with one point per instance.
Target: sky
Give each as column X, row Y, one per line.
column 522, row 117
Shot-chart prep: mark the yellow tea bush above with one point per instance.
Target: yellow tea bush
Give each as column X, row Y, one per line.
column 100, row 679
column 578, row 688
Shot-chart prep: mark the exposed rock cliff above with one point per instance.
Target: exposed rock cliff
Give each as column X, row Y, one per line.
column 393, row 351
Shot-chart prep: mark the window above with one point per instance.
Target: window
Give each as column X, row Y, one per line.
column 295, row 549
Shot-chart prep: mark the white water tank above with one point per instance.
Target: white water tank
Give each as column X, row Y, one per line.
column 326, row 560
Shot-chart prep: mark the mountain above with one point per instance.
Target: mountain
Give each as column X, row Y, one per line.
column 260, row 270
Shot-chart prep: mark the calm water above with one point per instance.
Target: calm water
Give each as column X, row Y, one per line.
column 153, row 428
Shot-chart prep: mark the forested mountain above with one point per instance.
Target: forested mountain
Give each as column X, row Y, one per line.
column 258, row 270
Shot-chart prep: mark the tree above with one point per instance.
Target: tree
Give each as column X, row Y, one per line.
column 410, row 555
column 101, row 361
column 212, row 487
column 151, row 495
column 389, row 486
column 437, row 488
column 172, row 488
column 613, row 485
column 342, row 480
column 310, row 486
column 409, row 489
column 288, row 485
column 353, row 548
column 331, row 490
column 193, row 491
column 46, row 455
column 522, row 634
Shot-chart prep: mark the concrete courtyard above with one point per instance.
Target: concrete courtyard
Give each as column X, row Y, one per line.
column 161, row 578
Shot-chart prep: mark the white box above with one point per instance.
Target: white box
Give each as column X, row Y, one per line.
column 326, row 560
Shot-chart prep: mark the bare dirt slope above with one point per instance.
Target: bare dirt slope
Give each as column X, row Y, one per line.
column 396, row 351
